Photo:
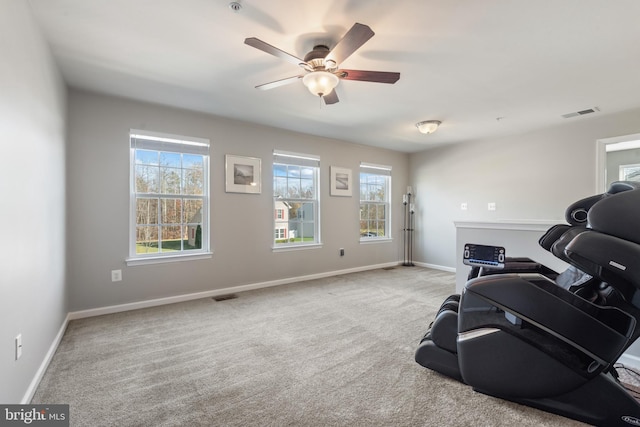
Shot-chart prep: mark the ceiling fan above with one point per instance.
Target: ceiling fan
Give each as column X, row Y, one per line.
column 322, row 64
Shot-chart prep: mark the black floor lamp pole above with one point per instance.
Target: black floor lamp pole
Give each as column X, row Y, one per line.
column 409, row 209
column 404, row 230
column 410, row 235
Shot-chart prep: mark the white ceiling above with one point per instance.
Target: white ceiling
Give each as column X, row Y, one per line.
column 485, row 68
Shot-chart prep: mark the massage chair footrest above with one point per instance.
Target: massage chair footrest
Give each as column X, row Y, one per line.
column 438, row 347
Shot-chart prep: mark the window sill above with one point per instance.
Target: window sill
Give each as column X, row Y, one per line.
column 296, row 247
column 376, row 240
column 167, row 258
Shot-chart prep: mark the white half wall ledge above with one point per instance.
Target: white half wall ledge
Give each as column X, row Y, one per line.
column 511, row 224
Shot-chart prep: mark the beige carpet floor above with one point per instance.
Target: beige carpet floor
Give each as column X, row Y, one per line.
column 330, row 352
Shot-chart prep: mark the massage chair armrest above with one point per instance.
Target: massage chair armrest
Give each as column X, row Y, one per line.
column 601, row 332
column 515, row 265
column 552, row 235
column 609, row 258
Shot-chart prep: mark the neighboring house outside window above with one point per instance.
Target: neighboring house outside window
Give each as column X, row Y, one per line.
column 375, row 206
column 296, row 199
column 629, row 172
column 169, row 196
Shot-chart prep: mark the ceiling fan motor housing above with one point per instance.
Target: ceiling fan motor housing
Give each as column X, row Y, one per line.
column 315, row 58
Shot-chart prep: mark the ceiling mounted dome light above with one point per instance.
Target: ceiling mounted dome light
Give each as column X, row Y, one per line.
column 320, row 83
column 428, row 126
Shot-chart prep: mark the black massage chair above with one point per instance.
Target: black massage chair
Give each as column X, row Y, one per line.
column 530, row 335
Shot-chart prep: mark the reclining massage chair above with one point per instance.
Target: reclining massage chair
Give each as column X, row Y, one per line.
column 547, row 340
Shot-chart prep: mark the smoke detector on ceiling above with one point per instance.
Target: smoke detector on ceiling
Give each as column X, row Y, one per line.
column 235, row 6
column 581, row 112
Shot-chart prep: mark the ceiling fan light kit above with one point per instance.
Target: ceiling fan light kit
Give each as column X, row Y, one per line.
column 428, row 126
column 320, row 83
column 321, row 65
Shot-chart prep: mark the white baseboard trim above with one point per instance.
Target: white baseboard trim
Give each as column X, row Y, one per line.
column 436, row 267
column 175, row 299
column 216, row 292
column 26, row 399
column 630, row 361
column 626, row 359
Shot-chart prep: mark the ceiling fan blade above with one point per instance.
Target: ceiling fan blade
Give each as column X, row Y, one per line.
column 355, row 37
column 369, row 76
column 331, row 98
column 272, row 50
column 278, row 83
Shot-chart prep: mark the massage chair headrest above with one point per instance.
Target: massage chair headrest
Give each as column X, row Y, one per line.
column 609, row 246
column 614, row 213
column 618, row 212
column 577, row 213
column 620, row 186
column 578, row 217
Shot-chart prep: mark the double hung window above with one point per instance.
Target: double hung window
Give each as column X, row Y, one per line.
column 169, row 196
column 375, row 196
column 295, row 199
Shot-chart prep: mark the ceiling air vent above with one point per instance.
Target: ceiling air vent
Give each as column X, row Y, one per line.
column 581, row 112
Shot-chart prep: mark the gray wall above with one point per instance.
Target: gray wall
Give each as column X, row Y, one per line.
column 530, row 176
column 241, row 224
column 32, row 194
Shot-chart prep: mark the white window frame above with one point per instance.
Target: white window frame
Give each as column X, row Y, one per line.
column 302, row 160
column 384, row 171
column 163, row 142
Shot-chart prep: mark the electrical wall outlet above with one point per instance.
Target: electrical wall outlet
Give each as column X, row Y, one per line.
column 463, row 206
column 116, row 275
column 341, row 251
column 18, row 346
column 491, row 206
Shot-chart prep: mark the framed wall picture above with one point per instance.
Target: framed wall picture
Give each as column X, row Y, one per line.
column 243, row 174
column 341, row 181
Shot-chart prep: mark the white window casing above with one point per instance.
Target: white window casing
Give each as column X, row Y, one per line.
column 375, row 202
column 169, row 198
column 296, row 200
